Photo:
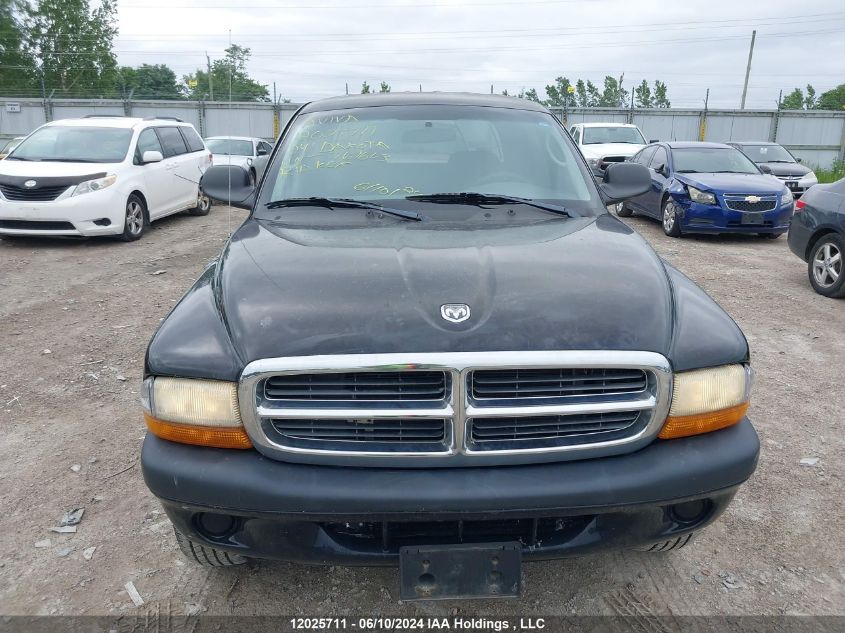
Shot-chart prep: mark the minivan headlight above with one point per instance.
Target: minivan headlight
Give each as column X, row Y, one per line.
column 94, row 185
column 702, row 197
column 193, row 411
column 705, row 400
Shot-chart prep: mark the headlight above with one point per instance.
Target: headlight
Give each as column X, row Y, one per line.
column 94, row 185
column 705, row 400
column 809, row 179
column 702, row 197
column 593, row 162
column 191, row 411
column 786, row 196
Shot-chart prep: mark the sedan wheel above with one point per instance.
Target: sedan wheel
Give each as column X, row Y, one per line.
column 133, row 225
column 825, row 267
column 671, row 222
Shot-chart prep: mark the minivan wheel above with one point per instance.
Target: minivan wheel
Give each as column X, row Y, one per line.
column 825, row 266
column 203, row 206
column 207, row 556
column 671, row 221
column 134, row 220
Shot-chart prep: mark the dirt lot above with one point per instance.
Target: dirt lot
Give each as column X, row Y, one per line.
column 75, row 317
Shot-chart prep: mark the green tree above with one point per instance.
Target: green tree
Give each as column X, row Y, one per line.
column 72, row 45
column 228, row 76
column 661, row 100
column 384, row 87
column 593, row 96
column 832, row 99
column 365, row 88
column 531, row 95
column 614, row 95
column 559, row 94
column 156, row 81
column 793, row 101
column 18, row 70
column 810, row 100
column 642, row 94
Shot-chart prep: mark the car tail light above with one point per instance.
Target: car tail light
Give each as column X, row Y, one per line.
column 799, row 205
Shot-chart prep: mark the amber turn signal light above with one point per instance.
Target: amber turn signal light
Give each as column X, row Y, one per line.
column 214, row 436
column 686, row 425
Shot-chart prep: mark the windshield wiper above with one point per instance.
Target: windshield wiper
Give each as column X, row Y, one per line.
column 69, row 160
column 483, row 198
column 342, row 203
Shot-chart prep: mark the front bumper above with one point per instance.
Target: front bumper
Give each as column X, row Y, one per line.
column 705, row 218
column 327, row 514
column 91, row 214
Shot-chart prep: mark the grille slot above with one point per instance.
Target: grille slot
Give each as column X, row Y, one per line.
column 358, row 386
column 393, row 430
column 484, row 431
column 739, row 203
column 41, row 194
column 510, row 384
column 36, row 225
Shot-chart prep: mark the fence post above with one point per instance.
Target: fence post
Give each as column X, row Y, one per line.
column 127, row 103
column 201, row 116
column 842, row 141
column 702, row 124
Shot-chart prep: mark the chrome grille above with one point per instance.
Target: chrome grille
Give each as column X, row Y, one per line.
column 739, row 203
column 358, row 386
column 454, row 409
column 41, row 194
column 509, row 384
column 487, row 432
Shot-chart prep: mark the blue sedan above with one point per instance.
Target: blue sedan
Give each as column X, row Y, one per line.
column 710, row 188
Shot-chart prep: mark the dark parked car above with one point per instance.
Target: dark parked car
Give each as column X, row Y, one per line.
column 780, row 162
column 710, row 188
column 430, row 346
column 817, row 235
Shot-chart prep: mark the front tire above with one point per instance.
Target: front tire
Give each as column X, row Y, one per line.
column 203, row 206
column 671, row 221
column 207, row 556
column 825, row 267
column 134, row 220
column 624, row 211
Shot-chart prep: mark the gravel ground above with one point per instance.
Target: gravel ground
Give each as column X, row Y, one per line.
column 76, row 316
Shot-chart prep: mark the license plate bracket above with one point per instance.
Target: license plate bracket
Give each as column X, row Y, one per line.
column 754, row 219
column 449, row 572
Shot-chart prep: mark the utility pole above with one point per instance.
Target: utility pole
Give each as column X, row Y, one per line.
column 231, row 67
column 702, row 128
column 748, row 70
column 210, row 82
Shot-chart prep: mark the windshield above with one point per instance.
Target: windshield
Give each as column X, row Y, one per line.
column 392, row 152
column 612, row 134
column 83, row 144
column 229, row 146
column 712, row 159
column 767, row 153
column 8, row 147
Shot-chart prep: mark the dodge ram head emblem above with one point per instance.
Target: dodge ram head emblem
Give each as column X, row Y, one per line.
column 29, row 184
column 752, row 199
column 455, row 312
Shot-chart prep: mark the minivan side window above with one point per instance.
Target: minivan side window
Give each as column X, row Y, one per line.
column 147, row 142
column 171, row 141
column 192, row 139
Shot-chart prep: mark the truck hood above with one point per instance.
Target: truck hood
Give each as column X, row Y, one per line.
column 733, row 183
column 582, row 283
column 610, row 149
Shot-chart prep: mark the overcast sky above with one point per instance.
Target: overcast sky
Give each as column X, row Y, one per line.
column 312, row 48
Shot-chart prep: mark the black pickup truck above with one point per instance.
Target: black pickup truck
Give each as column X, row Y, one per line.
column 431, row 346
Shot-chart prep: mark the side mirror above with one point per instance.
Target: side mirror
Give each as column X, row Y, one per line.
column 654, row 140
column 228, row 184
column 623, row 181
column 661, row 169
column 765, row 169
column 261, row 152
column 151, row 156
column 799, row 160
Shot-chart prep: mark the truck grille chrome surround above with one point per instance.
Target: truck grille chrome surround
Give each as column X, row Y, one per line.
column 757, row 204
column 454, row 408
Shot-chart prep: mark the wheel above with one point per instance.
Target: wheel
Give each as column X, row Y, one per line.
column 668, row 546
column 207, row 556
column 825, row 266
column 671, row 223
column 203, row 206
column 770, row 236
column 624, row 211
column 135, row 220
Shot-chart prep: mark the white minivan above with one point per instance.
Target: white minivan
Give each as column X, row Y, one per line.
column 102, row 175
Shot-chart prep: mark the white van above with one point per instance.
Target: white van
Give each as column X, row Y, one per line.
column 102, row 175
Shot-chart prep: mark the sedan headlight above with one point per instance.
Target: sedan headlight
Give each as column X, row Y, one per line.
column 786, row 196
column 191, row 411
column 705, row 400
column 702, row 197
column 808, row 180
column 94, row 185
